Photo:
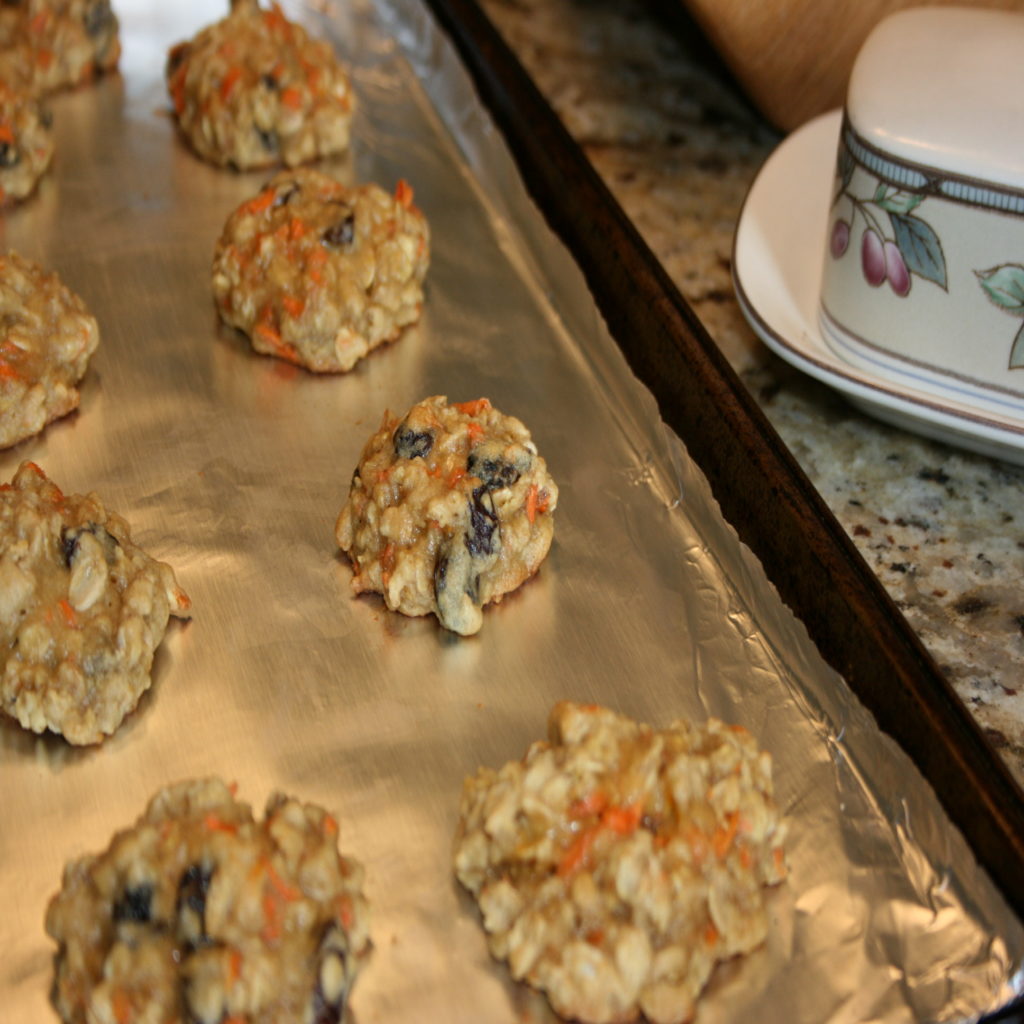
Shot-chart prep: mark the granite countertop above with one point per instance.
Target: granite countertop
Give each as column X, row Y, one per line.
column 678, row 145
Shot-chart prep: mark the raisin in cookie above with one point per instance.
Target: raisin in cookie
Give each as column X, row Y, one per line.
column 82, row 610
column 616, row 864
column 46, row 45
column 201, row 913
column 449, row 509
column 46, row 339
column 320, row 273
column 254, row 90
column 26, row 144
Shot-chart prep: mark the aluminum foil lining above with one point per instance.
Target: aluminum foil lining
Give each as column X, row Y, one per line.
column 232, row 467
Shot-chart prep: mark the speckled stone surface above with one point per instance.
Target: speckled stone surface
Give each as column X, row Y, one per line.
column 679, row 146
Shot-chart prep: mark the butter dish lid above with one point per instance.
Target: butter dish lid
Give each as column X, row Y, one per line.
column 943, row 87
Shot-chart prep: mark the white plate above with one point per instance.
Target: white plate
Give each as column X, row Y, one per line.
column 777, row 265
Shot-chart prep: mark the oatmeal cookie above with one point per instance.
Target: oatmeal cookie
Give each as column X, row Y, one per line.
column 616, row 864
column 450, row 508
column 254, row 90
column 201, row 913
column 46, row 339
column 320, row 273
column 26, row 144
column 82, row 610
column 46, row 45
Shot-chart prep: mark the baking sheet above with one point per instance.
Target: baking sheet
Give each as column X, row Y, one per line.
column 232, row 467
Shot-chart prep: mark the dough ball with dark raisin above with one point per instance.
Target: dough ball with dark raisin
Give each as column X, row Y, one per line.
column 254, row 90
column 26, row 144
column 201, row 913
column 320, row 273
column 82, row 610
column 450, row 509
column 46, row 45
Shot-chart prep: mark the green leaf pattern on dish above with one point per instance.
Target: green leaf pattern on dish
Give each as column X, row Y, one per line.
column 1004, row 288
column 920, row 247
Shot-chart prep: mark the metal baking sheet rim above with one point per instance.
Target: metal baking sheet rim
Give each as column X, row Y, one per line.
column 232, row 468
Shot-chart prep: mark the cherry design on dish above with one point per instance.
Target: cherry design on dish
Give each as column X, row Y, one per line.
column 893, row 253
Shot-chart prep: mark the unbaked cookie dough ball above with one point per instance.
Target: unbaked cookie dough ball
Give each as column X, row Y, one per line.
column 450, row 509
column 320, row 273
column 201, row 913
column 26, row 144
column 46, row 45
column 82, row 610
column 616, row 864
column 254, row 90
column 46, row 339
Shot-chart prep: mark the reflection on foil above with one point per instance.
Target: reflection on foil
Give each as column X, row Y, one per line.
column 233, row 467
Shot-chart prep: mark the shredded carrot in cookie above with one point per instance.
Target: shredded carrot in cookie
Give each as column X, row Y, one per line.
column 281, row 887
column 269, row 333
column 121, row 1004
column 259, row 203
column 345, row 914
column 473, row 408
column 69, row 613
column 271, row 930
column 315, row 260
column 779, row 859
column 214, row 823
column 536, row 501
column 576, row 854
column 723, row 836
column 276, row 893
column 234, row 966
column 291, row 98
column 403, row 193
column 622, row 820
column 231, row 79
column 593, row 803
column 387, row 562
column 178, row 89
column 531, row 503
column 275, row 19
